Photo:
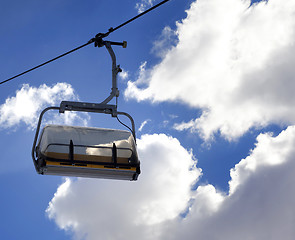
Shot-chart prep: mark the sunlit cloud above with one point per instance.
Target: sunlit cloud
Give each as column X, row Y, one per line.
column 163, row 44
column 143, row 124
column 26, row 105
column 162, row 193
column 164, row 206
column 144, row 5
column 124, row 74
column 259, row 202
column 233, row 61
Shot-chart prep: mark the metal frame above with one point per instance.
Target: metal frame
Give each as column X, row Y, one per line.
column 102, row 107
column 111, row 164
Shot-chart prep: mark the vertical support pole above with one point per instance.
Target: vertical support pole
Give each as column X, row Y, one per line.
column 114, row 154
column 71, row 152
column 115, row 70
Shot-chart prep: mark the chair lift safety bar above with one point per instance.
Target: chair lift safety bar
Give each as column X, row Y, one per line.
column 85, row 151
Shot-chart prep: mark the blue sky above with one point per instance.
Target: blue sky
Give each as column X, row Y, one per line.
column 209, row 84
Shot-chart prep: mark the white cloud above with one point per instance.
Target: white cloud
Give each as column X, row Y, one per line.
column 143, row 124
column 28, row 102
column 259, row 205
column 144, row 5
column 233, row 61
column 121, row 210
column 164, row 43
column 260, row 202
column 124, row 74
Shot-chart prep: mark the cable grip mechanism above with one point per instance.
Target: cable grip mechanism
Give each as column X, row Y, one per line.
column 98, row 42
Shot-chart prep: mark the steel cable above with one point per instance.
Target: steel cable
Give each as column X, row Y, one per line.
column 97, row 38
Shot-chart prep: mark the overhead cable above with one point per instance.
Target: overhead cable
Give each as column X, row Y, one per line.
column 95, row 40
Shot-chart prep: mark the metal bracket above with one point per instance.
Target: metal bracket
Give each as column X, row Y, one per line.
column 115, row 68
column 88, row 107
column 95, row 107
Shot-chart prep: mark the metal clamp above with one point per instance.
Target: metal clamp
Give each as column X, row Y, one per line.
column 88, row 107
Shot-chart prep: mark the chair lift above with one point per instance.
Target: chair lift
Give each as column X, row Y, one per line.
column 85, row 151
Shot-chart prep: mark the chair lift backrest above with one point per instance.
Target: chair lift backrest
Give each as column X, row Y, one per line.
column 87, row 142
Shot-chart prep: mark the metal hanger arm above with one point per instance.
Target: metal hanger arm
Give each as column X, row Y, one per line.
column 115, row 68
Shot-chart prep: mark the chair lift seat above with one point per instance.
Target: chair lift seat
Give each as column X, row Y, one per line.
column 87, row 152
